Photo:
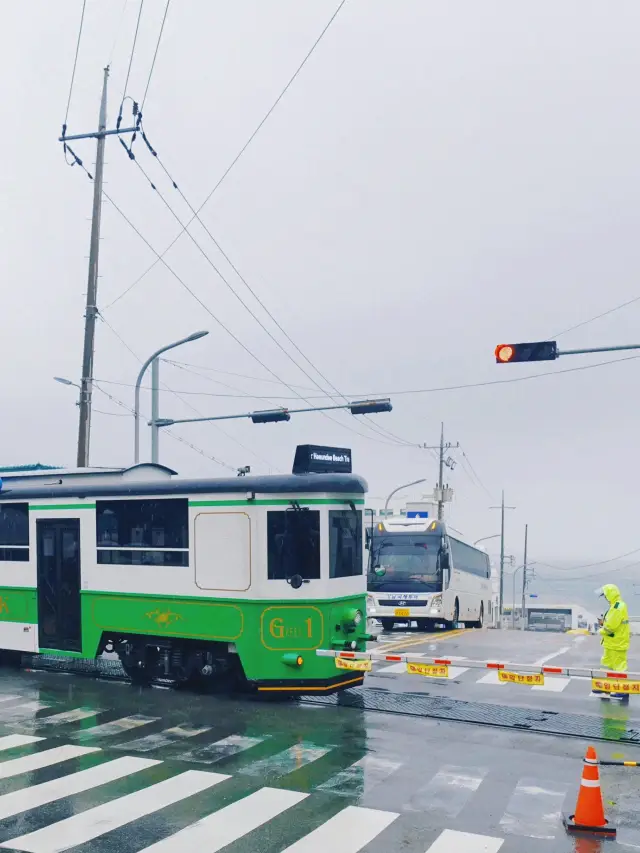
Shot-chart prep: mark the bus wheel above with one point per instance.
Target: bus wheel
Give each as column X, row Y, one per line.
column 456, row 614
column 480, row 621
column 388, row 624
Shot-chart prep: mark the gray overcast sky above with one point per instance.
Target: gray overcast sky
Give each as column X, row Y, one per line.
column 439, row 178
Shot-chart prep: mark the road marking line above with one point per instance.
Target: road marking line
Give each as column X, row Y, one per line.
column 286, row 761
column 168, row 737
column 115, row 727
column 11, row 741
column 361, row 777
column 546, row 658
column 91, row 824
column 346, row 832
column 555, row 684
column 27, row 709
column 534, row 810
column 224, row 748
column 451, row 841
column 39, row 795
column 427, row 638
column 72, row 716
column 7, row 697
column 38, row 760
column 227, row 825
column 448, row 792
column 491, row 678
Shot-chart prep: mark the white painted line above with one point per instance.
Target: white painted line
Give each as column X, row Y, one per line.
column 116, row 727
column 167, row 737
column 450, row 841
column 234, row 821
column 287, row 761
column 448, row 792
column 223, row 748
column 555, row 684
column 491, row 678
column 346, row 832
column 457, row 671
column 73, row 716
column 39, row 795
column 361, row 777
column 7, row 697
column 544, row 660
column 26, row 709
column 11, row 741
column 38, row 760
column 534, row 809
column 90, row 824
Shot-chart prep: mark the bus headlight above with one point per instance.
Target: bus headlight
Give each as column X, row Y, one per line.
column 436, row 603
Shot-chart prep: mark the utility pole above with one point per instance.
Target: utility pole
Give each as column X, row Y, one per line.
column 86, row 383
column 443, row 461
column 91, row 311
column 502, row 508
column 524, row 574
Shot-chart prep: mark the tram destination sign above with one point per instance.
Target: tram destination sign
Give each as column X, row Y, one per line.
column 314, row 459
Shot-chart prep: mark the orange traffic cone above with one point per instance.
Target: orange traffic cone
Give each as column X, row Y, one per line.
column 589, row 814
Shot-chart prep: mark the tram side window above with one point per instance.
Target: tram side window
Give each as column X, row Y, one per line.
column 293, row 544
column 143, row 532
column 345, row 543
column 14, row 532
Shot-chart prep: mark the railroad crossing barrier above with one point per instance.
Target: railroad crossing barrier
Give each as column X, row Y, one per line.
column 602, row 680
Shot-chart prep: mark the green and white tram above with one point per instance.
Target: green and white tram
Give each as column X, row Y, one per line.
column 237, row 579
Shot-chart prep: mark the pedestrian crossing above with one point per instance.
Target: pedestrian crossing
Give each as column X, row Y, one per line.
column 578, row 686
column 64, row 796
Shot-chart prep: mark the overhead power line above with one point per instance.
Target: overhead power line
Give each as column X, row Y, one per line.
column 73, row 72
column 246, row 145
column 599, row 316
column 155, row 55
column 133, row 50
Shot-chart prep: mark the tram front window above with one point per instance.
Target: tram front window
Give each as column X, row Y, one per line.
column 410, row 562
column 293, row 543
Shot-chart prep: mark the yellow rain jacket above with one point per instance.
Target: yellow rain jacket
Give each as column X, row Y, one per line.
column 615, row 631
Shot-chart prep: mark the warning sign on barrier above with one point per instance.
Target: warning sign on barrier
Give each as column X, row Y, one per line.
column 429, row 670
column 530, row 679
column 359, row 665
column 607, row 685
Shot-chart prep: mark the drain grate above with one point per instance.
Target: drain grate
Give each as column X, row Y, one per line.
column 481, row 713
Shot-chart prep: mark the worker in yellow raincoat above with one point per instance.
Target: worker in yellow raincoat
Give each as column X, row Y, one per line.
column 615, row 633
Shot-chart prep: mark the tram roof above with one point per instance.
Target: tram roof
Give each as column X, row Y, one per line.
column 132, row 482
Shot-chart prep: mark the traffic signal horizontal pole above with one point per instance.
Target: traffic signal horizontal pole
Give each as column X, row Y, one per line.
column 597, row 349
column 165, row 422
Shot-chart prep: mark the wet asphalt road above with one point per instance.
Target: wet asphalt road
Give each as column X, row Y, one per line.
column 99, row 766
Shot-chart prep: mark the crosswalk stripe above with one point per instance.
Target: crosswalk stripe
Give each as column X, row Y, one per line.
column 491, row 678
column 449, row 791
column 451, row 841
column 73, row 716
column 90, row 824
column 224, row 748
column 11, row 741
column 287, row 761
column 234, row 821
column 556, row 684
column 39, row 795
column 26, row 709
column 360, row 777
column 534, row 809
column 7, row 697
column 346, row 832
column 38, row 760
column 116, row 727
column 166, row 738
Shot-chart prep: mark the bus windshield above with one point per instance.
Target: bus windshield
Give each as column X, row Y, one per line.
column 410, row 561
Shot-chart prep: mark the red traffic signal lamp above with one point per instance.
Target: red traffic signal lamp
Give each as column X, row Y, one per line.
column 536, row 351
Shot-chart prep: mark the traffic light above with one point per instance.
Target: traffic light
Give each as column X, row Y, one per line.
column 370, row 407
column 270, row 416
column 536, row 351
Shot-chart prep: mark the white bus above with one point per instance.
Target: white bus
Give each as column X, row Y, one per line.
column 419, row 571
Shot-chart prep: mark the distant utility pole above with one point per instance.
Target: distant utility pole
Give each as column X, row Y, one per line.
column 91, row 312
column 524, row 575
column 502, row 508
column 443, row 461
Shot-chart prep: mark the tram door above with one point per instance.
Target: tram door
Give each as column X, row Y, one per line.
column 59, row 624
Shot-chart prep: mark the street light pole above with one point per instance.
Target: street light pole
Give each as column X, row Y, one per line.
column 399, row 489
column 136, row 406
column 484, row 538
column 502, row 508
column 524, row 573
column 155, row 405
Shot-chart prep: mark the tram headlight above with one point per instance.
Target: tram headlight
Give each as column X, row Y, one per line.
column 351, row 618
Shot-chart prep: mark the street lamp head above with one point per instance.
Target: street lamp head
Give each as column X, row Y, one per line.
column 196, row 335
column 63, row 381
